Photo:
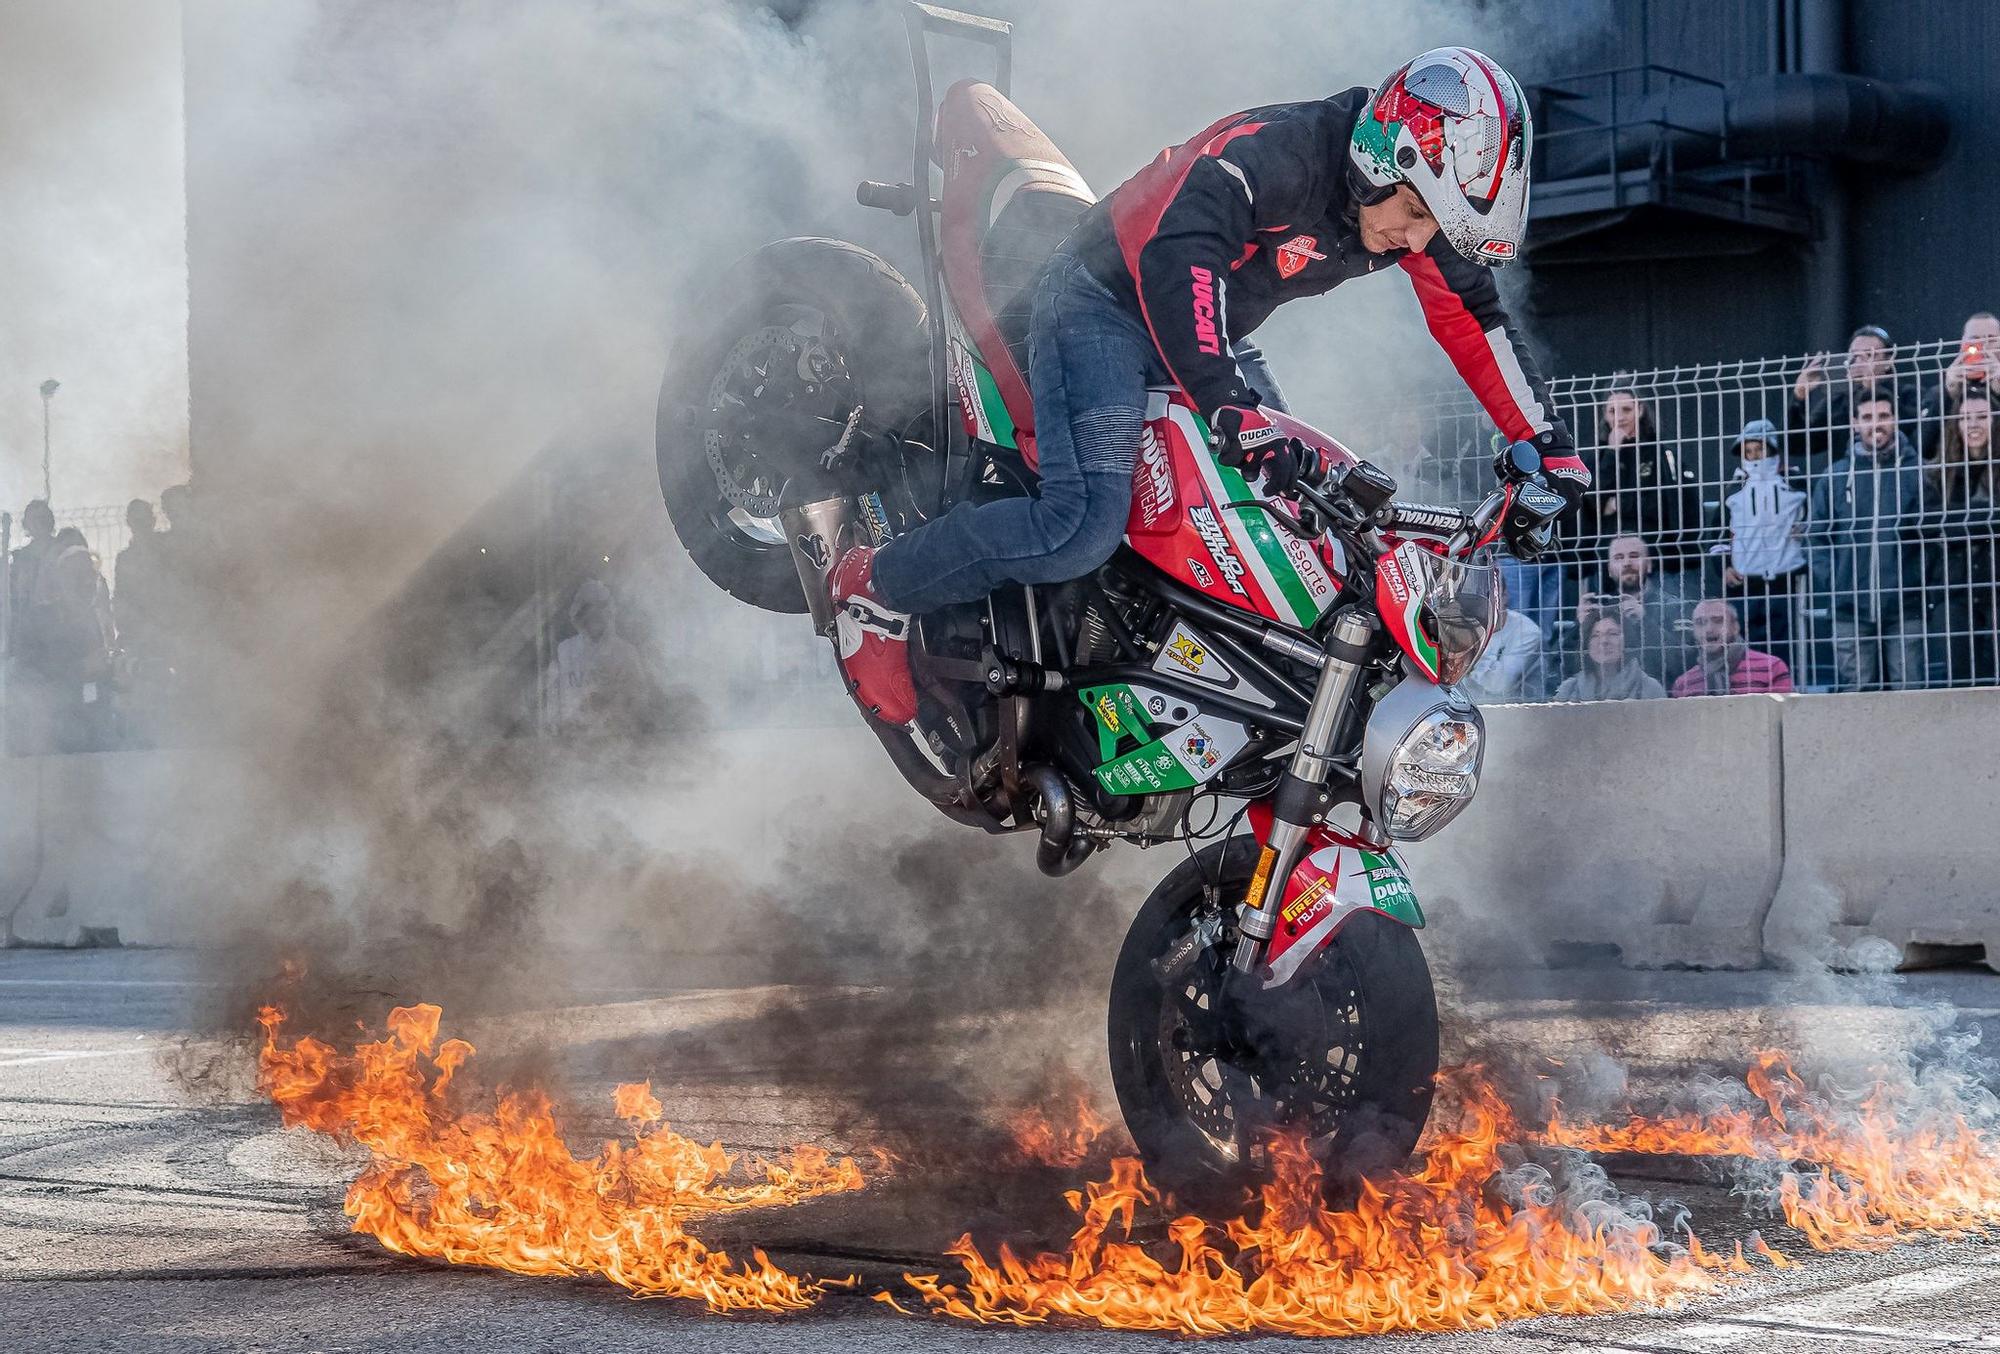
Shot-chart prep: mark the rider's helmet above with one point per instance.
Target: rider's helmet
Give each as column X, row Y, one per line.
column 1453, row 126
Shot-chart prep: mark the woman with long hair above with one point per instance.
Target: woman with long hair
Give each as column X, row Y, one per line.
column 1959, row 523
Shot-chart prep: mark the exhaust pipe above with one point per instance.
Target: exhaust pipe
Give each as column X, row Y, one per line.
column 1060, row 850
column 816, row 533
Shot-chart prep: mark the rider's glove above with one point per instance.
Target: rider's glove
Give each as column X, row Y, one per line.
column 1245, row 440
column 1559, row 465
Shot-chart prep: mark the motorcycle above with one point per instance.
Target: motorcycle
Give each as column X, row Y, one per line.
column 1294, row 655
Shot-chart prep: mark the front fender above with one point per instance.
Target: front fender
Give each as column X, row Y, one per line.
column 1333, row 882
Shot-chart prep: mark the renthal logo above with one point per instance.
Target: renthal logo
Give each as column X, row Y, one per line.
column 1204, row 312
column 1418, row 518
column 1156, row 482
column 1219, row 549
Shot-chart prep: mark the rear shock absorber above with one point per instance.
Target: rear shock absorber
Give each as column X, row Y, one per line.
column 1301, row 795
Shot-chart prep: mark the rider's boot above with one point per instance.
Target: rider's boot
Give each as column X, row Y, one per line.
column 873, row 642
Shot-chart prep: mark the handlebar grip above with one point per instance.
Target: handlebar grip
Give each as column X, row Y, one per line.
column 898, row 198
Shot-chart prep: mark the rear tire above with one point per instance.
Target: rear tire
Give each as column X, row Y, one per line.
column 1362, row 1012
column 829, row 300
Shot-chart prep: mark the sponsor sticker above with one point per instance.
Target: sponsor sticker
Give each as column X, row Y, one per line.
column 1219, row 549
column 1295, row 253
column 1186, row 652
column 1156, row 497
column 1200, row 748
column 1107, row 712
column 1201, row 573
column 1308, row 896
column 1497, row 249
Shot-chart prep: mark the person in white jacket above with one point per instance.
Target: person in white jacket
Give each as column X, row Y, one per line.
column 1763, row 557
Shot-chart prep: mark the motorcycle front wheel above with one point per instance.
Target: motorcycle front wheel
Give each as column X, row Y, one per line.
column 1343, row 1055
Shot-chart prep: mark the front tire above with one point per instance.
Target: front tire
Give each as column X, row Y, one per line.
column 1345, row 1053
column 788, row 342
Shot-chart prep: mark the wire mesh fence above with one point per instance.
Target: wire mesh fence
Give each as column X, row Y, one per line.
column 1818, row 523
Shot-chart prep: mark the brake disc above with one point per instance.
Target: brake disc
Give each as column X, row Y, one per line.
column 773, row 370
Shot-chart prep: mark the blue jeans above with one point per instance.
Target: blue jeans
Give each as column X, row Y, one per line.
column 1534, row 590
column 1089, row 362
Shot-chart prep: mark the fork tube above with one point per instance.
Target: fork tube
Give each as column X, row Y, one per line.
column 1297, row 803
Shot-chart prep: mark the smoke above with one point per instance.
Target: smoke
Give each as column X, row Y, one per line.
column 92, row 209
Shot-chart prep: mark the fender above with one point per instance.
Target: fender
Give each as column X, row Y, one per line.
column 1335, row 880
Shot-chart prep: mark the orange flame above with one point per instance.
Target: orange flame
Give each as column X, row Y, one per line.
column 1059, row 1137
column 1467, row 1241
column 1881, row 1171
column 502, row 1188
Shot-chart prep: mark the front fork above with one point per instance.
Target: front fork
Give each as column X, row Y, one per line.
column 1302, row 796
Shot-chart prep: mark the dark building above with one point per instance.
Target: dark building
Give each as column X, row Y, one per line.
column 1785, row 170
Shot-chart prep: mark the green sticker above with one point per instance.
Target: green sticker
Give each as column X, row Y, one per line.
column 1149, row 770
column 1389, row 889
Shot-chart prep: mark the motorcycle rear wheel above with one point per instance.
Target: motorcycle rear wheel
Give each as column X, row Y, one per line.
column 784, row 346
column 1345, row 1053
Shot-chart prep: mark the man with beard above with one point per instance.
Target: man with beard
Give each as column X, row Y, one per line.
column 1630, row 590
column 1862, row 510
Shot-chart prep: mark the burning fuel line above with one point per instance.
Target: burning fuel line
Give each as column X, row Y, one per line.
column 1498, row 1223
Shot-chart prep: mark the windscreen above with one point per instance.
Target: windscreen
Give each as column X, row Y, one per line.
column 1464, row 606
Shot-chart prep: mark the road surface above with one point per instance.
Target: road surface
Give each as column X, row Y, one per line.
column 135, row 1216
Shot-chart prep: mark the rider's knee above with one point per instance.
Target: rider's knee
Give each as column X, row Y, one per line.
column 1083, row 530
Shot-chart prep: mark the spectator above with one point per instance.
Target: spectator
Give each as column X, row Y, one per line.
column 1977, row 360
column 38, row 523
column 600, row 681
column 1630, row 590
column 1822, row 409
column 1959, row 525
column 1861, row 510
column 136, row 606
column 71, row 621
column 1636, row 486
column 1607, row 673
column 1511, row 668
column 1726, row 666
column 1761, row 520
column 32, row 696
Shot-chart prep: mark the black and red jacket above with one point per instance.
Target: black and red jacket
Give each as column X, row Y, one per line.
column 1211, row 237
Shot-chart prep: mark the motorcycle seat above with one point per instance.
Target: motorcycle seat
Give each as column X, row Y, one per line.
column 1009, row 198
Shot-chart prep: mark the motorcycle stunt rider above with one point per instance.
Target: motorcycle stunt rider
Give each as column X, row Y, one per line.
column 1162, row 281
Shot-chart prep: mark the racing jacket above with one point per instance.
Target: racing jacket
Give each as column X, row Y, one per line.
column 1213, row 235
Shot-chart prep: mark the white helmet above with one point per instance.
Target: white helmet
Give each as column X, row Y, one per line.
column 1455, row 127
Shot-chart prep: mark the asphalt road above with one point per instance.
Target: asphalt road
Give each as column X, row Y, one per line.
column 135, row 1217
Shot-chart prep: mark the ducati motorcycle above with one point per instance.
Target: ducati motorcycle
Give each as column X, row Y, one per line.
column 1288, row 659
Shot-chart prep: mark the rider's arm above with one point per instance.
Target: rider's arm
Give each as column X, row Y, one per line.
column 1246, row 178
column 1462, row 306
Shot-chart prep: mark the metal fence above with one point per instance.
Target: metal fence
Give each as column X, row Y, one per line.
column 1822, row 523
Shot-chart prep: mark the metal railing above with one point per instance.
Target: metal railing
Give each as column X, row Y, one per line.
column 1856, row 552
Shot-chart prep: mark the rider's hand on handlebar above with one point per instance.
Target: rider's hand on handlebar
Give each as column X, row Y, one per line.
column 1245, row 440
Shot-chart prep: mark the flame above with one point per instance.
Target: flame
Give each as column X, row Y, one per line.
column 502, row 1189
column 1475, row 1237
column 1434, row 1250
column 1062, row 1137
column 1886, row 1168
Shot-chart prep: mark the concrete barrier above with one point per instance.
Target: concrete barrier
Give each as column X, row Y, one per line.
column 1892, row 830
column 112, row 843
column 1651, row 827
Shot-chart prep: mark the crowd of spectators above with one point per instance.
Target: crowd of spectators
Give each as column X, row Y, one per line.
column 1838, row 535
column 90, row 667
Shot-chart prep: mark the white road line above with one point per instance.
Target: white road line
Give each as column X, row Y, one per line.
column 56, row 1055
column 105, row 982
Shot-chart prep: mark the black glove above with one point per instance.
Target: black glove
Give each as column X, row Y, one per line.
column 1549, row 458
column 1245, row 440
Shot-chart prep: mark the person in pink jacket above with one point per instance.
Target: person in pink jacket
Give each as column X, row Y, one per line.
column 1727, row 666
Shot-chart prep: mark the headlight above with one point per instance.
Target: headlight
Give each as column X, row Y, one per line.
column 1420, row 759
